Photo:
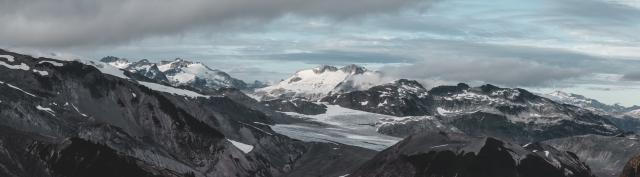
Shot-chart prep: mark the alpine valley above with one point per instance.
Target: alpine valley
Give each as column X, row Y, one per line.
column 178, row 118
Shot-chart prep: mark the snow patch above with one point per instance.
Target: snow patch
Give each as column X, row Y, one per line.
column 442, row 111
column 243, row 147
column 77, row 110
column 172, row 90
column 439, row 146
column 22, row 66
column 8, row 57
column 121, row 64
column 42, row 73
column 106, row 68
column 54, row 63
column 45, row 109
column 14, row 87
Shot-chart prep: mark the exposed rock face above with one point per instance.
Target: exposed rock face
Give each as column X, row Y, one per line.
column 147, row 69
column 401, row 98
column 606, row 155
column 299, row 105
column 449, row 155
column 632, row 169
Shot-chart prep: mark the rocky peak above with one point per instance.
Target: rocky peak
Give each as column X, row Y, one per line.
column 448, row 90
column 353, row 69
column 116, row 62
column 109, row 59
column 409, row 83
column 322, row 68
column 488, row 88
column 144, row 61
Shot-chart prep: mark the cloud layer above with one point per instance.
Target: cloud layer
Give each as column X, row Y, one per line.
column 632, row 76
column 87, row 22
column 508, row 72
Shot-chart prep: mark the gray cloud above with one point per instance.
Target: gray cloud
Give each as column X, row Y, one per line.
column 87, row 22
column 336, row 57
column 609, row 19
column 507, row 71
column 632, row 76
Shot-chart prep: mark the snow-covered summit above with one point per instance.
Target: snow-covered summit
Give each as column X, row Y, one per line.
column 318, row 82
column 634, row 113
column 198, row 75
column 584, row 102
column 179, row 72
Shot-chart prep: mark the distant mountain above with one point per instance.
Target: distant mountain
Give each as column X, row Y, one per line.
column 318, row 82
column 627, row 118
column 457, row 155
column 634, row 112
column 509, row 113
column 179, row 73
column 584, row 102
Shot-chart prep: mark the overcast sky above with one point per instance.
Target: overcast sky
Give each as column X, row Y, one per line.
column 589, row 47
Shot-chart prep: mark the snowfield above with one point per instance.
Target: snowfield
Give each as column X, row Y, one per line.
column 172, row 90
column 54, row 63
column 8, row 57
column 243, row 147
column 342, row 125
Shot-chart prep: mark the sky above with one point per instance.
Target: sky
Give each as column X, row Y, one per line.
column 588, row 47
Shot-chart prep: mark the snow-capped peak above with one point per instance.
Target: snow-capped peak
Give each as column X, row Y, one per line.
column 584, row 102
column 354, row 69
column 569, row 97
column 179, row 72
column 634, row 113
column 318, row 82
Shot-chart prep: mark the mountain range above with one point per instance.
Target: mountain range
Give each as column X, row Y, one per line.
column 182, row 118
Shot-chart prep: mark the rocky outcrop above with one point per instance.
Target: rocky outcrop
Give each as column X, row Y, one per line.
column 298, row 105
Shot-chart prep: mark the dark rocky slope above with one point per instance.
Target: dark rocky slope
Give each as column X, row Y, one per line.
column 606, row 155
column 632, row 169
column 449, row 155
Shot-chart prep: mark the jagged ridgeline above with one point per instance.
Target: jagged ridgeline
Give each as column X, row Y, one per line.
column 81, row 118
column 183, row 118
